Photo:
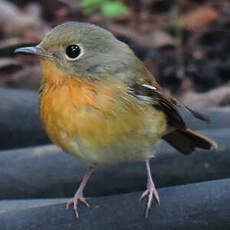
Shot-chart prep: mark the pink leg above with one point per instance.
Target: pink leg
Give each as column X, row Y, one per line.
column 78, row 197
column 150, row 191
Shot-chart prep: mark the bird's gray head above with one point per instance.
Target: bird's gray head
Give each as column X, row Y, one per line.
column 86, row 50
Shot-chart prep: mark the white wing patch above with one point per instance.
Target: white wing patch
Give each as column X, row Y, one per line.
column 149, row 86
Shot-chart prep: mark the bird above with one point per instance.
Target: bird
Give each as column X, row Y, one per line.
column 98, row 102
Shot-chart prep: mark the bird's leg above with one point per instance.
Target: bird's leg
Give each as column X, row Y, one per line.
column 150, row 191
column 78, row 197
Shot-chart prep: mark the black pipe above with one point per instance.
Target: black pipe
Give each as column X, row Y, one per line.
column 48, row 172
column 200, row 206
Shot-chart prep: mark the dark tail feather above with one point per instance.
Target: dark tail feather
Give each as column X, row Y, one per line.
column 198, row 115
column 185, row 141
column 195, row 113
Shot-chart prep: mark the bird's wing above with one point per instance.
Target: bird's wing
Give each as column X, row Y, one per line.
column 155, row 95
column 180, row 137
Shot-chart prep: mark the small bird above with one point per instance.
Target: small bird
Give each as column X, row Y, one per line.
column 99, row 102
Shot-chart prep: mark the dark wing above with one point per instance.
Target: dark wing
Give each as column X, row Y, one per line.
column 181, row 138
column 165, row 103
column 160, row 101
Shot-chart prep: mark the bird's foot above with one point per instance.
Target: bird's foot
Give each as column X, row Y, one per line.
column 150, row 192
column 76, row 199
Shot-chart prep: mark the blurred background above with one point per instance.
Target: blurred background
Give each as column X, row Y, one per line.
column 184, row 43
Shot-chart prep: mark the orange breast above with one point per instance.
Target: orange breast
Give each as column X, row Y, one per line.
column 96, row 122
column 62, row 101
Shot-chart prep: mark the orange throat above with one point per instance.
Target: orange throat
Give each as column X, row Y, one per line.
column 60, row 97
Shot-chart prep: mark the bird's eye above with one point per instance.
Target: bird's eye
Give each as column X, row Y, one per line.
column 73, row 52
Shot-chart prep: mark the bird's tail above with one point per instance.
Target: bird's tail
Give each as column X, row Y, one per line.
column 185, row 141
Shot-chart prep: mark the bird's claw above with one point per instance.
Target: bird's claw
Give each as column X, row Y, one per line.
column 75, row 202
column 150, row 192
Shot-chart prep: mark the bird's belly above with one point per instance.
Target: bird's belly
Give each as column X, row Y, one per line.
column 108, row 142
column 109, row 145
column 98, row 136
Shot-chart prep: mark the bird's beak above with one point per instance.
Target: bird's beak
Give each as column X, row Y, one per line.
column 33, row 50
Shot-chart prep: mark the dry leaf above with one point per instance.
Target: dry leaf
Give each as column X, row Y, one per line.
column 199, row 18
